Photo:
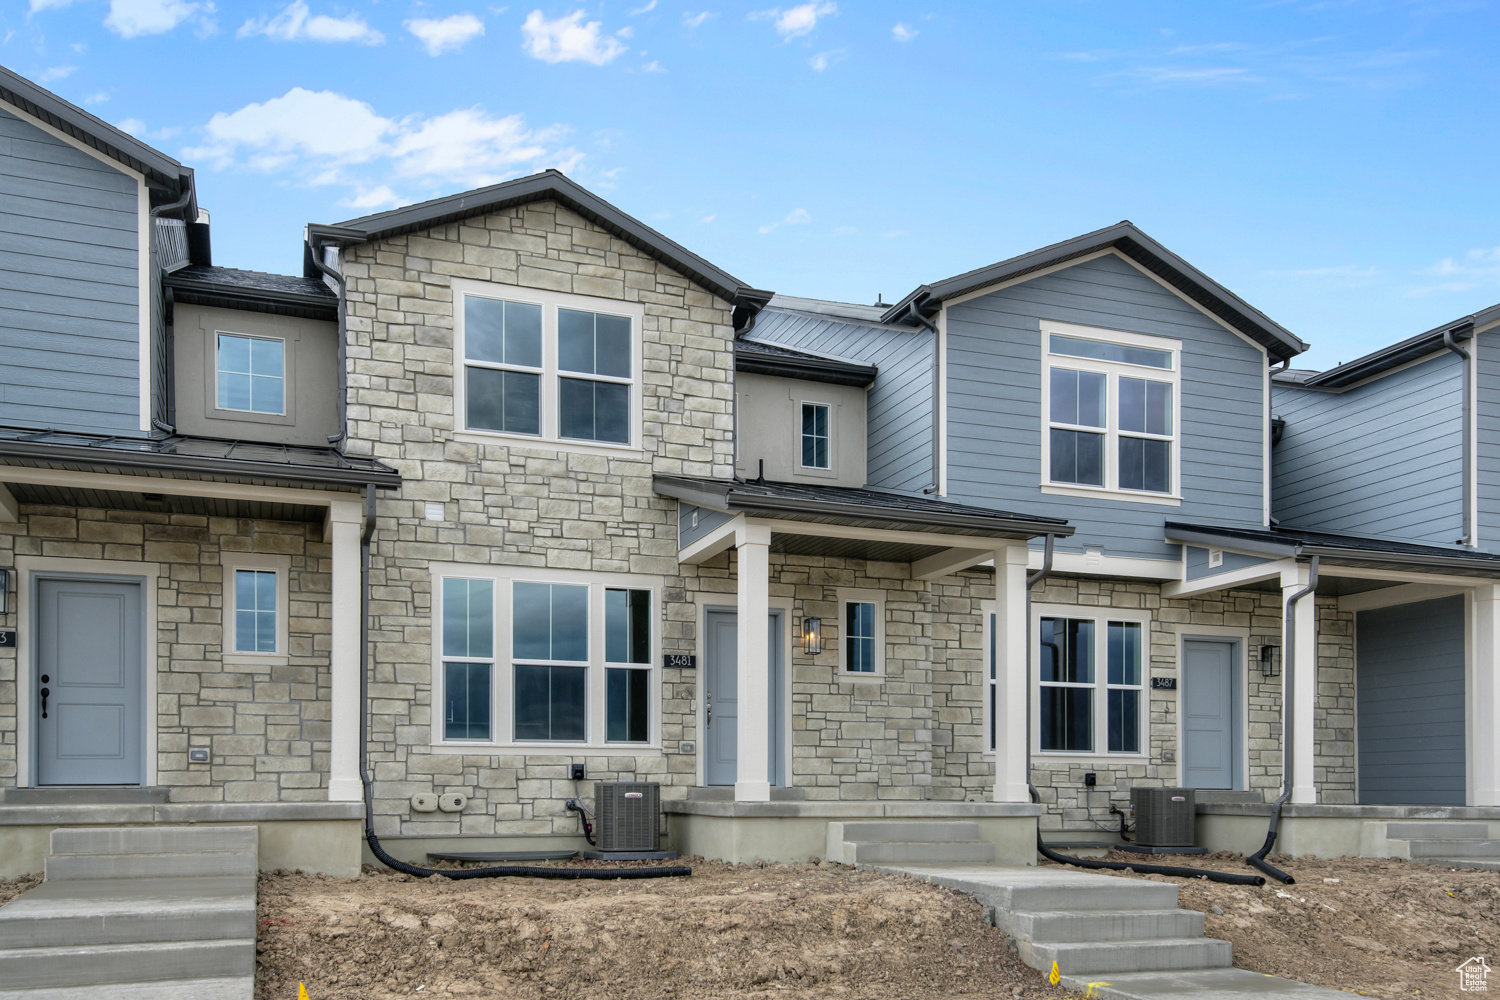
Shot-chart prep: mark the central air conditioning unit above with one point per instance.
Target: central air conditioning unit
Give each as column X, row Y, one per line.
column 629, row 815
column 1164, row 817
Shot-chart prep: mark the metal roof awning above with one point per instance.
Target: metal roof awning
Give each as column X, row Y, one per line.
column 1335, row 550
column 757, row 357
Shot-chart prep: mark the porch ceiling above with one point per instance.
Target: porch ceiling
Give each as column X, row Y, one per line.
column 71, row 496
column 850, row 548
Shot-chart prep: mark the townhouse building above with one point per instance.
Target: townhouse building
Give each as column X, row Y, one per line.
column 482, row 499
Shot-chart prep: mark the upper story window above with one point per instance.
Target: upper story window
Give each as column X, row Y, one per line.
column 544, row 365
column 815, row 453
column 1110, row 403
column 250, row 373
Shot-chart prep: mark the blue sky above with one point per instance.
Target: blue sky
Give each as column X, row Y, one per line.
column 1333, row 162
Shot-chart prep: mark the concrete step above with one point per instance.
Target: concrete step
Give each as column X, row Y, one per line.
column 926, row 852
column 128, row 911
column 1454, row 830
column 910, row 831
column 109, row 964
column 85, row 795
column 154, row 839
column 216, row 988
column 1205, row 983
column 1447, row 848
column 199, row 864
column 1159, row 955
column 1483, row 864
column 1063, row 927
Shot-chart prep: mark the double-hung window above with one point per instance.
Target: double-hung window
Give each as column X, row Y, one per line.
column 815, row 438
column 250, row 373
column 862, row 645
column 1090, row 682
column 256, row 603
column 1110, row 411
column 547, row 366
column 545, row 658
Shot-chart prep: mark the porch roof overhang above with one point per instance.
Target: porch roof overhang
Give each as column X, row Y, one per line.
column 1337, row 551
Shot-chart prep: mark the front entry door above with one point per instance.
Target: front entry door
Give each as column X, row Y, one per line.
column 88, row 662
column 1208, row 714
column 721, row 699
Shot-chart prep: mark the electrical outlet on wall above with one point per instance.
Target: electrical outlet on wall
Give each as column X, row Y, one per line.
column 577, row 772
column 1090, row 779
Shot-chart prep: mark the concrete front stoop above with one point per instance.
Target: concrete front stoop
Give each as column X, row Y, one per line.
column 136, row 912
column 1456, row 844
column 1113, row 938
column 894, row 842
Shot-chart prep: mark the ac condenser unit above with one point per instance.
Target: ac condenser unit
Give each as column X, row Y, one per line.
column 1164, row 817
column 629, row 815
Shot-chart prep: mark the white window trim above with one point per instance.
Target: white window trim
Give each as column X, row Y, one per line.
column 831, row 469
column 846, row 596
column 502, row 698
column 261, row 563
column 1101, row 616
column 285, row 374
column 1112, row 372
column 549, row 302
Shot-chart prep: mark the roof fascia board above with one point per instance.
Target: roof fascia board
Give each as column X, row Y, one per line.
column 1389, row 358
column 1338, row 553
column 1432, row 355
column 803, row 371
column 1213, row 540
column 149, row 461
column 1164, row 283
column 696, row 494
column 82, row 147
column 758, row 504
column 238, row 297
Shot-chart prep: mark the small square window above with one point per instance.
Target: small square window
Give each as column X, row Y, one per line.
column 254, row 611
column 251, row 374
column 815, row 454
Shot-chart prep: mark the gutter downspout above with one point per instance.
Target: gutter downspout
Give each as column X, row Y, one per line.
column 343, row 394
column 170, row 389
column 937, row 374
column 1468, row 472
column 1288, row 703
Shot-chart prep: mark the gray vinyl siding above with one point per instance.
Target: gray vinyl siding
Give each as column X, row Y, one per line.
column 1198, row 568
column 1487, row 416
column 1384, row 458
column 69, row 286
column 901, row 406
column 995, row 421
column 708, row 520
column 1409, row 697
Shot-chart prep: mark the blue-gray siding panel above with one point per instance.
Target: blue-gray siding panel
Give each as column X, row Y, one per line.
column 995, row 419
column 1409, row 697
column 708, row 520
column 1385, row 458
column 1487, row 415
column 1198, row 568
column 69, row 286
column 901, row 407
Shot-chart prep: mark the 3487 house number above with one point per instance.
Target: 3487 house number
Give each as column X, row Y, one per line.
column 1164, row 684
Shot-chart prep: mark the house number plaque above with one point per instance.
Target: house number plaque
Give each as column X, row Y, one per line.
column 7, row 638
column 679, row 661
column 1164, row 684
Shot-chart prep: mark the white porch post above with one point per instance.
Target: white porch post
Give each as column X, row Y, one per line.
column 1298, row 730
column 1484, row 704
column 753, row 551
column 345, row 518
column 1012, row 699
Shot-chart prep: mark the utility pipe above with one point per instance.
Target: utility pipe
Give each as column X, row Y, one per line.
column 1468, row 472
column 1288, row 704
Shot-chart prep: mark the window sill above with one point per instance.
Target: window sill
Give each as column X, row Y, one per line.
column 849, row 677
column 1100, row 493
column 547, row 444
column 254, row 659
column 549, row 749
column 1063, row 757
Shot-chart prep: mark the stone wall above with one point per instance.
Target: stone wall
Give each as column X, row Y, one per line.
column 265, row 723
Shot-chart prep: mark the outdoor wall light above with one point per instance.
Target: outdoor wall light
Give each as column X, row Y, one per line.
column 812, row 636
column 1270, row 661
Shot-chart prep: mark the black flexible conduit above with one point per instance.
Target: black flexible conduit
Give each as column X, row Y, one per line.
column 1288, row 702
column 493, row 871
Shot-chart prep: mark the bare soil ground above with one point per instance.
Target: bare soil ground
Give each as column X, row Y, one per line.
column 802, row 930
column 1369, row 926
column 10, row 888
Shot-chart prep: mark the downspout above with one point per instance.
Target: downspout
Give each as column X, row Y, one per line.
column 1468, row 472
column 1288, row 703
column 937, row 375
column 343, row 393
column 170, row 389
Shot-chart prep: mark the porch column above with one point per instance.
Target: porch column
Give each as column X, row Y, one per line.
column 1484, row 704
column 753, row 551
column 1012, row 699
column 1303, row 678
column 345, row 518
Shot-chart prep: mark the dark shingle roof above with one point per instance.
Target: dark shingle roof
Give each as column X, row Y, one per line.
column 231, row 288
column 760, row 358
column 1285, row 541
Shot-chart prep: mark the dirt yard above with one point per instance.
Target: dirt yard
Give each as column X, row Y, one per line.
column 1372, row 927
column 10, row 888
column 780, row 930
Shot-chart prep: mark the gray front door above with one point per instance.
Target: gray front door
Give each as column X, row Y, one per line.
column 1209, row 719
column 88, row 661
column 721, row 699
column 1409, row 702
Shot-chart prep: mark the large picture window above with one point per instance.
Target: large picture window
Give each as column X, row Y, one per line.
column 1110, row 411
column 1090, row 686
column 544, row 365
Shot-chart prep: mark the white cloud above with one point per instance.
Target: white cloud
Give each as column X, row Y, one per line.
column 134, row 18
column 55, row 73
column 709, row 218
column 132, row 126
column 97, row 98
column 326, row 138
column 1477, row 268
column 295, row 23
column 568, row 39
column 794, row 22
column 796, row 217
column 37, row 5
column 653, row 67
column 691, row 21
column 625, row 32
column 823, row 60
column 644, row 10
column 904, row 32
column 448, row 34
